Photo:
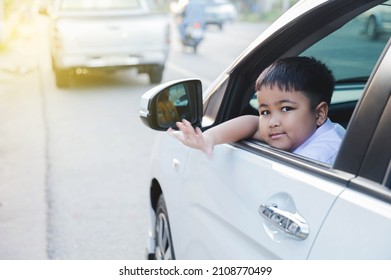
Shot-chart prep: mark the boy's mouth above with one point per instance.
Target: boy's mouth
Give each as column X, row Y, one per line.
column 276, row 136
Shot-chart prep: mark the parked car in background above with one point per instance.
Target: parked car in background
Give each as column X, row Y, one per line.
column 253, row 201
column 378, row 21
column 90, row 35
column 218, row 12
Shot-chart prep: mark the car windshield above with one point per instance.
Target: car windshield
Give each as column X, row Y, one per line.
column 99, row 4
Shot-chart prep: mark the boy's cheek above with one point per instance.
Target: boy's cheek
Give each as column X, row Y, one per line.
column 264, row 133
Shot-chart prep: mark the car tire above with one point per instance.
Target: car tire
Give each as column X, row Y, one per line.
column 372, row 28
column 156, row 74
column 62, row 78
column 164, row 249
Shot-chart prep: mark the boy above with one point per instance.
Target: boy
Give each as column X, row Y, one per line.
column 293, row 95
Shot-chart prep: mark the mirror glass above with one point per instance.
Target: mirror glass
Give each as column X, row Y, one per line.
column 172, row 106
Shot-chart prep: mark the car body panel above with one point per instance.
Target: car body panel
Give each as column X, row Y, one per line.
column 366, row 224
column 237, row 178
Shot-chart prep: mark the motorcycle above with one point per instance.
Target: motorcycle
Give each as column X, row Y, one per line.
column 193, row 35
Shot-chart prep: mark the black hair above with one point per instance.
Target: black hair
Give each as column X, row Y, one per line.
column 305, row 74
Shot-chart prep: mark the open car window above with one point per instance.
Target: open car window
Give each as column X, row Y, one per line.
column 351, row 53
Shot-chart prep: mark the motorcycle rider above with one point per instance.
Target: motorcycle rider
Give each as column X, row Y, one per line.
column 193, row 12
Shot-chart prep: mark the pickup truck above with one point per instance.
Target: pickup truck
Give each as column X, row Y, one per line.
column 93, row 35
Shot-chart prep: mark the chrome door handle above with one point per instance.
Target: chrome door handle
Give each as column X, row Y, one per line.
column 291, row 223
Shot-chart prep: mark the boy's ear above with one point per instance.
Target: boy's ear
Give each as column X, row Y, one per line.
column 321, row 112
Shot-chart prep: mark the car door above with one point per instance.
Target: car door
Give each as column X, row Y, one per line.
column 249, row 199
column 223, row 199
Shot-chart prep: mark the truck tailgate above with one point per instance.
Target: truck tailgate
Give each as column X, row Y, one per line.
column 112, row 33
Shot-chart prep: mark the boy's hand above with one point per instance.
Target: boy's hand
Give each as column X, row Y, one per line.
column 191, row 137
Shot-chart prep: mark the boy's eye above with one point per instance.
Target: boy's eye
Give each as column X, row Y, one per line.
column 264, row 113
column 286, row 109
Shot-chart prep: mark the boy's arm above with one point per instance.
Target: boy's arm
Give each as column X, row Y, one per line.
column 231, row 131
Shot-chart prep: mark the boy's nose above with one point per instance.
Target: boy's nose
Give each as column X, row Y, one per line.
column 274, row 121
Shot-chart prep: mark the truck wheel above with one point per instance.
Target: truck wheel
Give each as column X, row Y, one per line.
column 62, row 78
column 155, row 74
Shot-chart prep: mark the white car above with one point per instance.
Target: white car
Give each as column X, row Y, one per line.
column 252, row 201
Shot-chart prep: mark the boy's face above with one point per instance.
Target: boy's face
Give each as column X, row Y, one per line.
column 286, row 119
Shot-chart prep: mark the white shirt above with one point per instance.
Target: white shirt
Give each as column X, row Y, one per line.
column 323, row 145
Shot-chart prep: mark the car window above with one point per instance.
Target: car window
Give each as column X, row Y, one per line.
column 351, row 53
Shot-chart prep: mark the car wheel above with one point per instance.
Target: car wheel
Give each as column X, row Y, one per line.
column 372, row 28
column 163, row 240
column 62, row 78
column 156, row 74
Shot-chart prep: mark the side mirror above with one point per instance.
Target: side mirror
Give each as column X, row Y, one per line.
column 164, row 105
